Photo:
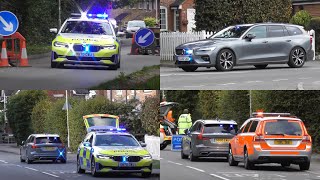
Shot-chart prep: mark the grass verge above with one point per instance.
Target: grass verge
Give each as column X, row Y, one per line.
column 156, row 164
column 146, row 78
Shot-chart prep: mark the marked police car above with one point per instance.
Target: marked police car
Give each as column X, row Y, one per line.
column 108, row 149
column 86, row 39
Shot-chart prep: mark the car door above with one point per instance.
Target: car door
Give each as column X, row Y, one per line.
column 279, row 43
column 28, row 145
column 187, row 140
column 23, row 147
column 194, row 135
column 256, row 49
column 240, row 139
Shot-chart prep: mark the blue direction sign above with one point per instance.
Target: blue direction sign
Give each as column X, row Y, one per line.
column 8, row 23
column 176, row 142
column 144, row 37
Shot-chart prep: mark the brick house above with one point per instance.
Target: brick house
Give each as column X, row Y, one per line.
column 127, row 95
column 312, row 6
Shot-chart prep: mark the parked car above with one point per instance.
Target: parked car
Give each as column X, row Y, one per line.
column 248, row 44
column 43, row 147
column 208, row 138
column 133, row 27
column 271, row 138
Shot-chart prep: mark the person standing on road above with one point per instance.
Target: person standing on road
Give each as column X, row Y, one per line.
column 184, row 121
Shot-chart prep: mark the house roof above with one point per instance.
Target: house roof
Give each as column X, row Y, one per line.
column 301, row 2
column 177, row 3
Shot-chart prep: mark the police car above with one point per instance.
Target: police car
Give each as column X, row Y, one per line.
column 86, row 39
column 108, row 149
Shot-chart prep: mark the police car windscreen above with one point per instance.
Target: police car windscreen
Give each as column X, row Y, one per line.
column 115, row 140
column 46, row 140
column 102, row 121
column 87, row 27
column 220, row 128
column 283, row 127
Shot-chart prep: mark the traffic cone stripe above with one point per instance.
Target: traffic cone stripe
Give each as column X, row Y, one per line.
column 24, row 56
column 4, row 55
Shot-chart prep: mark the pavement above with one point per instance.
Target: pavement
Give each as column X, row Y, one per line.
column 11, row 168
column 173, row 167
column 274, row 77
column 41, row 76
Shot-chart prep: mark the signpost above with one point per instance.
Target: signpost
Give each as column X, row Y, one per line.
column 176, row 142
column 8, row 23
column 144, row 37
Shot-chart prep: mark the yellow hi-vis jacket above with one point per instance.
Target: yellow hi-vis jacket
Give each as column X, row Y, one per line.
column 184, row 122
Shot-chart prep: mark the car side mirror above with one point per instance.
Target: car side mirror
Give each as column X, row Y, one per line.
column 54, row 30
column 87, row 144
column 186, row 131
column 249, row 37
column 22, row 143
column 119, row 34
column 143, row 144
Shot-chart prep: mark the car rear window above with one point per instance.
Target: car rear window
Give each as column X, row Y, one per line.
column 220, row 128
column 283, row 127
column 294, row 30
column 45, row 140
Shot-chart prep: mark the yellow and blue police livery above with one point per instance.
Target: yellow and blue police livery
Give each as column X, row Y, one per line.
column 86, row 39
column 111, row 150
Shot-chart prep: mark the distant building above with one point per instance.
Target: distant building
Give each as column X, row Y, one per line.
column 127, row 95
column 312, row 6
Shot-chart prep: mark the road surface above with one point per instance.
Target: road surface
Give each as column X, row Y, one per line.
column 274, row 77
column 42, row 76
column 173, row 167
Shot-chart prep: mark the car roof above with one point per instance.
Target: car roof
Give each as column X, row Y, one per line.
column 110, row 133
column 217, row 121
column 87, row 19
column 45, row 135
column 269, row 23
column 274, row 117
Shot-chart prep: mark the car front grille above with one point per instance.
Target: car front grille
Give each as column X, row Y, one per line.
column 75, row 58
column 179, row 51
column 129, row 159
column 80, row 47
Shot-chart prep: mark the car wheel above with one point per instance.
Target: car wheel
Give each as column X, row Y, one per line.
column 231, row 160
column 94, row 172
column 192, row 157
column 297, row 57
column 304, row 166
column 21, row 160
column 225, row 60
column 79, row 170
column 285, row 164
column 261, row 66
column 183, row 156
column 189, row 69
column 28, row 161
column 163, row 146
column 247, row 163
column 146, row 175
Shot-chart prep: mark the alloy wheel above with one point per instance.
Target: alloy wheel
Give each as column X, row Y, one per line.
column 298, row 57
column 226, row 60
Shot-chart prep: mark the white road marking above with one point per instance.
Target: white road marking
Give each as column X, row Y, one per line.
column 4, row 161
column 195, row 168
column 50, row 174
column 300, row 86
column 277, row 80
column 175, row 163
column 253, row 81
column 219, row 176
column 226, row 84
column 303, row 78
column 202, row 73
column 313, row 173
column 280, row 175
column 161, row 158
column 18, row 165
column 194, row 86
column 31, row 169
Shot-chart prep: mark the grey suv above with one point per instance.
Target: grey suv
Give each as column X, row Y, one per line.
column 248, row 44
column 208, row 138
column 43, row 147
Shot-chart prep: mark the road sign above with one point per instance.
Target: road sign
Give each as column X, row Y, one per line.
column 176, row 142
column 8, row 23
column 144, row 37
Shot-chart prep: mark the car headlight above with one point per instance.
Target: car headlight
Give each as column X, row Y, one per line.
column 207, row 49
column 188, row 51
column 101, row 156
column 60, row 44
column 111, row 47
column 147, row 157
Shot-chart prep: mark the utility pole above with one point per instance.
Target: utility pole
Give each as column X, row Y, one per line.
column 67, row 108
column 156, row 10
column 250, row 99
column 5, row 111
column 59, row 2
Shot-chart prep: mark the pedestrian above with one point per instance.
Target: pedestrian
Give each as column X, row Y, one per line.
column 184, row 121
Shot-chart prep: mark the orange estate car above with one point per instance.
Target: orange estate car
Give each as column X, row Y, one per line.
column 271, row 138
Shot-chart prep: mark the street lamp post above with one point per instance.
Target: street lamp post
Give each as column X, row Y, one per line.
column 250, row 99
column 67, row 108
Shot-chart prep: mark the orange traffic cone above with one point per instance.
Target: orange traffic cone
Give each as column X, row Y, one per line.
column 24, row 58
column 4, row 56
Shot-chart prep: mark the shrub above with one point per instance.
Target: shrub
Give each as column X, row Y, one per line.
column 38, row 116
column 149, row 115
column 301, row 18
column 150, row 21
column 315, row 25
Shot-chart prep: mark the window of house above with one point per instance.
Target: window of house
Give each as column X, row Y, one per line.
column 177, row 20
column 150, row 4
column 163, row 18
column 140, row 4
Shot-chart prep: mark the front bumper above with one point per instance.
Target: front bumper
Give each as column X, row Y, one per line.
column 109, row 165
column 211, row 151
column 196, row 60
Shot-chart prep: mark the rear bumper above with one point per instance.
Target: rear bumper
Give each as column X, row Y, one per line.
column 209, row 151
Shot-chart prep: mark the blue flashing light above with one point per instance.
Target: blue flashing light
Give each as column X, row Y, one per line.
column 189, row 51
column 92, row 150
column 231, row 125
column 221, row 125
column 105, row 129
column 61, row 153
column 90, row 15
column 101, row 16
column 124, row 159
column 87, row 48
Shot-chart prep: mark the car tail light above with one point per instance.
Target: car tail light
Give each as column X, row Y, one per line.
column 34, row 146
column 258, row 138
column 200, row 137
column 162, row 130
column 306, row 139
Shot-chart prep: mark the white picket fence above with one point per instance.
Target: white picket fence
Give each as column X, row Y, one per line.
column 153, row 146
column 170, row 40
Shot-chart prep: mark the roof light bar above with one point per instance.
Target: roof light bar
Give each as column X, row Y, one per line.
column 262, row 114
column 105, row 129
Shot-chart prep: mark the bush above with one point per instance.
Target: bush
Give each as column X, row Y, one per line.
column 315, row 25
column 150, row 21
column 301, row 18
column 150, row 115
column 19, row 112
column 38, row 116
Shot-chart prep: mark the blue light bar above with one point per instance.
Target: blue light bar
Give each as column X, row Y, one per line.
column 106, row 129
column 101, row 16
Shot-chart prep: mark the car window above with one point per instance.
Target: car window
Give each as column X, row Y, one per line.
column 194, row 127
column 294, row 30
column 220, row 128
column 282, row 127
column 199, row 127
column 87, row 27
column 87, row 139
column 259, row 32
column 115, row 140
column 253, row 126
column 231, row 32
column 91, row 139
column 247, row 127
column 276, row 31
column 30, row 139
column 48, row 139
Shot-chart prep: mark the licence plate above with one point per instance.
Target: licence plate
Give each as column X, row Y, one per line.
column 183, row 58
column 219, row 140
column 283, row 142
column 127, row 164
column 82, row 54
column 49, row 148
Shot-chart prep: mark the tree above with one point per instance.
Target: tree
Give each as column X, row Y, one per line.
column 150, row 115
column 208, row 104
column 19, row 112
column 38, row 116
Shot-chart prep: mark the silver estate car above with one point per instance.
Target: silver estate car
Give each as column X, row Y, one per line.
column 248, row 44
column 43, row 147
column 208, row 138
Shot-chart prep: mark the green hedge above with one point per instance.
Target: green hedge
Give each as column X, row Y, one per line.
column 150, row 116
column 301, row 18
column 38, row 116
